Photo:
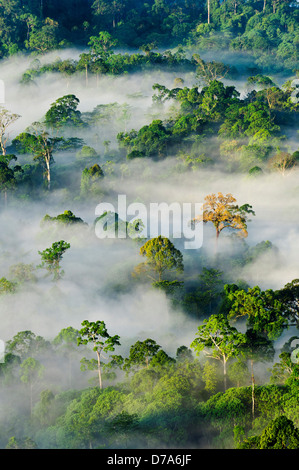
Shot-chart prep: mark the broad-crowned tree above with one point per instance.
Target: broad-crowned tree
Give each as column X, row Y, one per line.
column 39, row 143
column 51, row 258
column 263, row 310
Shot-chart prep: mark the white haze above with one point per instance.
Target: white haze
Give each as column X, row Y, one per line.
column 92, row 266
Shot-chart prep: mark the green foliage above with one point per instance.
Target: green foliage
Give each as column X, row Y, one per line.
column 51, row 258
column 279, row 434
column 26, row 443
column 90, row 180
column 161, row 256
column 6, row 286
column 263, row 310
column 96, row 333
column 26, row 343
column 66, row 219
column 142, row 353
column 22, row 273
column 155, row 399
column 151, row 140
column 217, row 339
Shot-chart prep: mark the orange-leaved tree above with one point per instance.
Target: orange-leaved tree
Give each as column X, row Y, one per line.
column 223, row 212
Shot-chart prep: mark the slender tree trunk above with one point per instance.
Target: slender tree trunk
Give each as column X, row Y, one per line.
column 99, row 370
column 2, row 145
column 252, row 389
column 48, row 173
column 209, row 12
column 31, row 397
column 70, row 371
column 224, row 373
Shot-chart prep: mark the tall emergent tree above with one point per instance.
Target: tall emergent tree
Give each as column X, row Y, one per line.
column 66, row 343
column 51, row 258
column 256, row 348
column 96, row 333
column 6, row 119
column 63, row 112
column 224, row 213
column 264, row 311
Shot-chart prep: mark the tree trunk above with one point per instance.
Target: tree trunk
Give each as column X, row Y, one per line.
column 48, row 173
column 70, row 371
column 217, row 238
column 99, row 370
column 208, row 11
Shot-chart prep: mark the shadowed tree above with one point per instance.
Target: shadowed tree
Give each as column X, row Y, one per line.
column 280, row 433
column 66, row 343
column 264, row 311
column 209, row 71
column 284, row 162
column 6, row 119
column 141, row 354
